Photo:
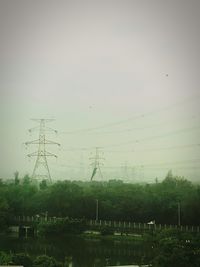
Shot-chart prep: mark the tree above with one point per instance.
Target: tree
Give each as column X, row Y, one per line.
column 26, row 180
column 4, row 209
column 43, row 185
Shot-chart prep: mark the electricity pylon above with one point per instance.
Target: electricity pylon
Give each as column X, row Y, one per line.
column 41, row 153
column 96, row 164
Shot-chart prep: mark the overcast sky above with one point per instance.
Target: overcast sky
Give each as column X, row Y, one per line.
column 93, row 63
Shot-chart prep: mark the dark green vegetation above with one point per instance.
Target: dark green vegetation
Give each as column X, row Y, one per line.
column 27, row 261
column 81, row 251
column 76, row 201
column 66, row 225
column 174, row 248
column 117, row 200
column 162, row 249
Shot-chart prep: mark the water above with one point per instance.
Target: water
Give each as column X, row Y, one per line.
column 81, row 252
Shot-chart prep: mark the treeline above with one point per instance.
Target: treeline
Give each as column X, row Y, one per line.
column 116, row 200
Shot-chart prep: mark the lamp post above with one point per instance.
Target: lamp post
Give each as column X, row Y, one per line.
column 46, row 216
column 179, row 214
column 97, row 209
column 179, row 207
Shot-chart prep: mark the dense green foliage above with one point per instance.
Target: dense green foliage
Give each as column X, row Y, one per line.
column 5, row 259
column 59, row 227
column 76, row 201
column 117, row 200
column 175, row 248
column 45, row 261
column 106, row 231
column 22, row 259
column 27, row 261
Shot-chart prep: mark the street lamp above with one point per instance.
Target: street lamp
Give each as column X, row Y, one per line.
column 179, row 213
column 97, row 209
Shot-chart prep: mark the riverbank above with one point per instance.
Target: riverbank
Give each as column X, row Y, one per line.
column 116, row 236
column 83, row 250
column 167, row 248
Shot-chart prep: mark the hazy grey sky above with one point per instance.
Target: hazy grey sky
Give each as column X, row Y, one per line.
column 91, row 63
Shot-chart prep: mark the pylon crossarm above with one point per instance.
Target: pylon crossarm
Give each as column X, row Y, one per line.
column 50, row 129
column 43, row 154
column 34, row 154
column 48, row 142
column 37, row 142
column 34, row 142
column 33, row 129
column 44, row 120
column 48, row 154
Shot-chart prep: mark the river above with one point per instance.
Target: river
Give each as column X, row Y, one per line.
column 81, row 252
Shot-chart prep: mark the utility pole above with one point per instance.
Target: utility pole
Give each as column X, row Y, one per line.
column 41, row 168
column 96, row 163
column 179, row 213
column 178, row 208
column 97, row 209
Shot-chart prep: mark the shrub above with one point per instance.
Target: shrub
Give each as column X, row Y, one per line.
column 61, row 227
column 5, row 259
column 45, row 261
column 106, row 231
column 22, row 259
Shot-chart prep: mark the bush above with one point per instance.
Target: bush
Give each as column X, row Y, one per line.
column 45, row 261
column 61, row 227
column 5, row 259
column 22, row 259
column 106, row 231
column 175, row 248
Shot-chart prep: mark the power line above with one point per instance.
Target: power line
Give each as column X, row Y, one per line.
column 136, row 141
column 178, row 168
column 107, row 125
column 128, row 130
column 144, row 165
column 154, row 137
column 170, row 163
column 154, row 149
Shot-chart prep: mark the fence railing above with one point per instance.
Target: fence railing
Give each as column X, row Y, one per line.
column 118, row 225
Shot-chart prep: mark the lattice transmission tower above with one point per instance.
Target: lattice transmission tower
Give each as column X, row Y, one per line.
column 41, row 169
column 97, row 163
